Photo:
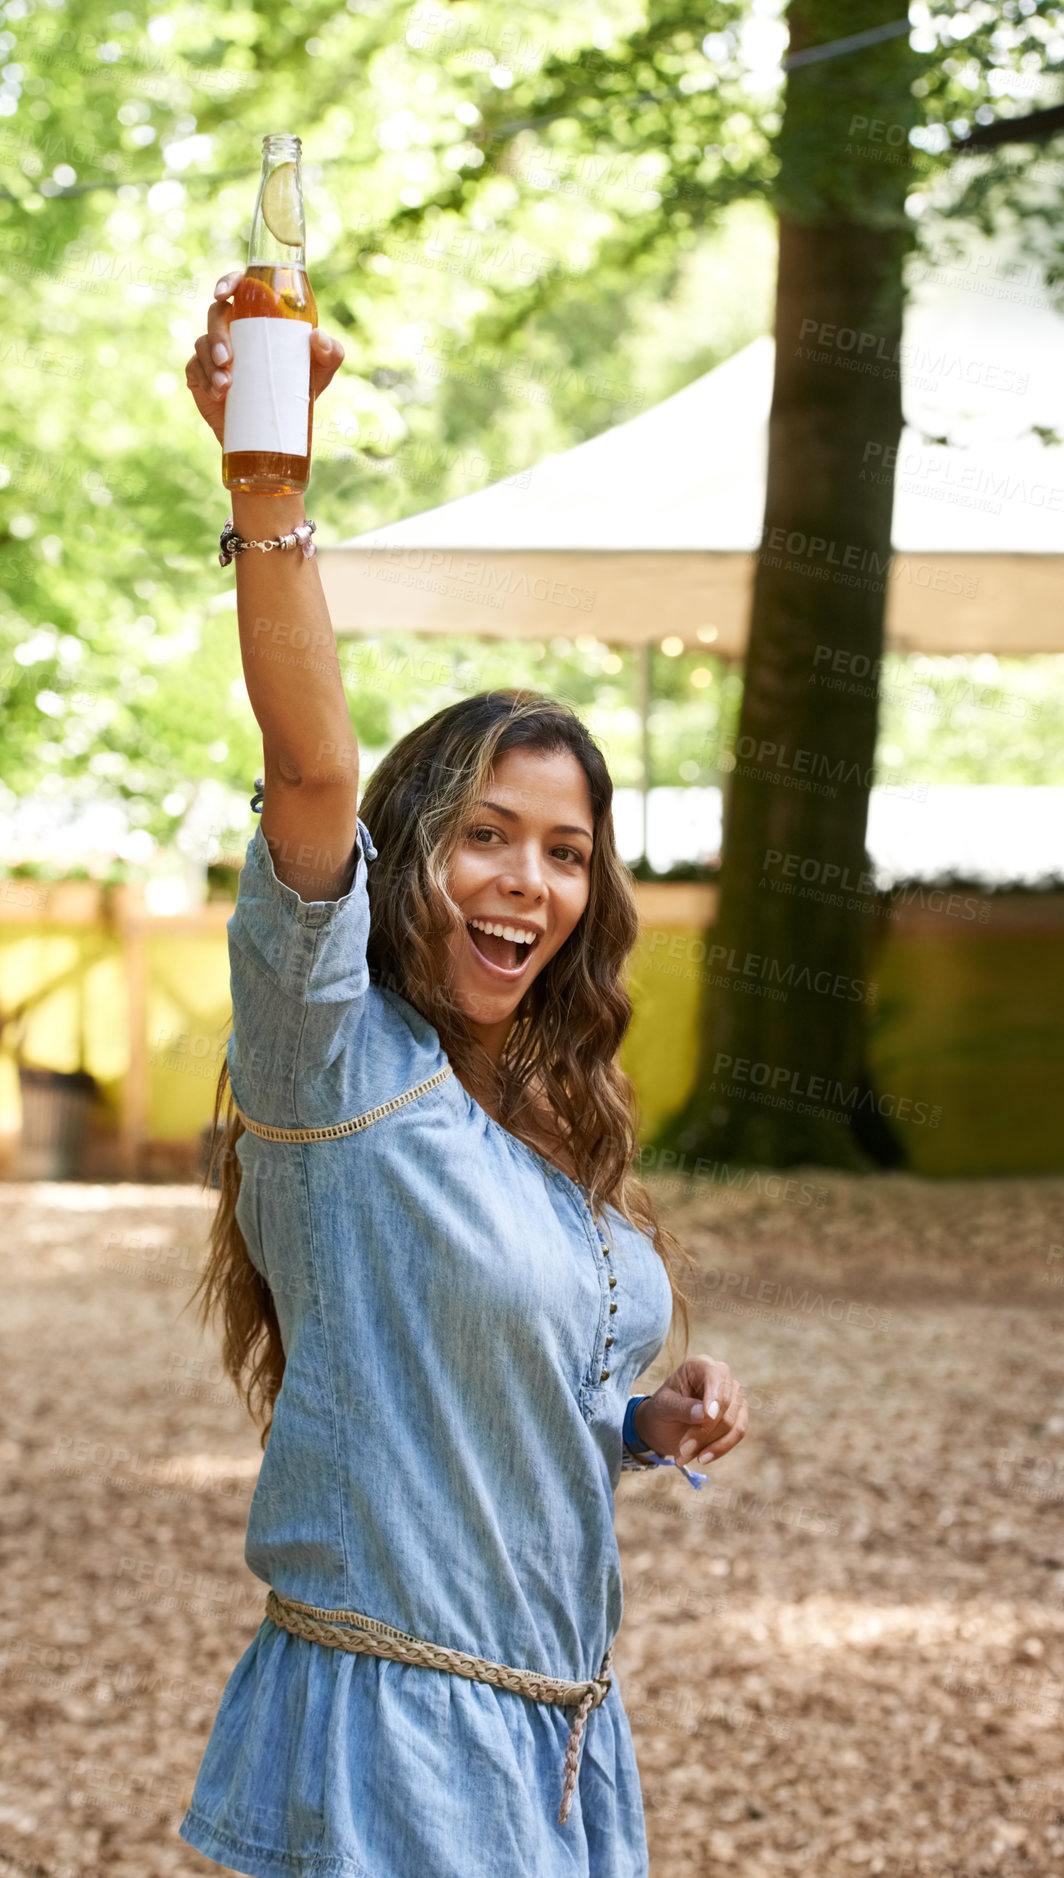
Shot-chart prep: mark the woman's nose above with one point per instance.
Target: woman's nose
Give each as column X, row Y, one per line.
column 526, row 873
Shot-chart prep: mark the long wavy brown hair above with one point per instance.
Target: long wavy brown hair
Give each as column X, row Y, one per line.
column 560, row 1058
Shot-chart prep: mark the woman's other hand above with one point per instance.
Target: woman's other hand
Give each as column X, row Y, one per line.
column 207, row 373
column 669, row 1422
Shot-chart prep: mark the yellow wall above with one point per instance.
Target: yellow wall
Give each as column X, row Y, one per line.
column 972, row 1023
column 189, row 1015
column 86, row 1024
column 30, row 959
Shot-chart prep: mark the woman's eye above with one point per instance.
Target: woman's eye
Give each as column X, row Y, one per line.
column 483, row 836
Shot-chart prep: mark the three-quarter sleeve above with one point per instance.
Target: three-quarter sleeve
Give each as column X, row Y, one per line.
column 299, row 982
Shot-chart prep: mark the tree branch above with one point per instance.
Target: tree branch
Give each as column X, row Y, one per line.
column 1035, row 127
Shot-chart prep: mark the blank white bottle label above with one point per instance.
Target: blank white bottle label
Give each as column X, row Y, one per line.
column 267, row 406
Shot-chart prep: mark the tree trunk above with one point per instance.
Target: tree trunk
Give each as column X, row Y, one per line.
column 781, row 1078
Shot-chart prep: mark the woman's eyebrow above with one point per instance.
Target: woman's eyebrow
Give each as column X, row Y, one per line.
column 560, row 828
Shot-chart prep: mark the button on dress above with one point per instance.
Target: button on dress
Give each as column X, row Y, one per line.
column 445, row 1446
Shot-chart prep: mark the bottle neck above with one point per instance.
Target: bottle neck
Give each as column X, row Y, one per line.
column 280, row 166
column 264, row 249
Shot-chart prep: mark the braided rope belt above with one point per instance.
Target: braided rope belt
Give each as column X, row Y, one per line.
column 374, row 1638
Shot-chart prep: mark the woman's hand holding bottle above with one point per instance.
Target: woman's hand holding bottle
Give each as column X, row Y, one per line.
column 208, row 372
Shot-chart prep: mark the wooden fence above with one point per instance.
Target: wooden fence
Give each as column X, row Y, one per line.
column 968, row 1020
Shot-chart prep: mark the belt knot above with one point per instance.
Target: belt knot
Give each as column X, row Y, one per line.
column 360, row 1635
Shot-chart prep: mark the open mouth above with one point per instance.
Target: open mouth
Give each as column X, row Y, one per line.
column 505, row 950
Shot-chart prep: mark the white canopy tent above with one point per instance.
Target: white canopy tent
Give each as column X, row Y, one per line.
column 651, row 528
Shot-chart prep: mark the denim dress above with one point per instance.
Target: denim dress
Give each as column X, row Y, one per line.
column 461, row 1338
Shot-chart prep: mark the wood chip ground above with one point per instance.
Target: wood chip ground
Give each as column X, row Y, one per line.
column 843, row 1655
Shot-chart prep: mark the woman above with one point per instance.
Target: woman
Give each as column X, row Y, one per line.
column 429, row 1228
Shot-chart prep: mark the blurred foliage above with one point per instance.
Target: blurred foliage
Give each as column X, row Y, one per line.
column 972, row 720
column 525, row 228
column 987, row 62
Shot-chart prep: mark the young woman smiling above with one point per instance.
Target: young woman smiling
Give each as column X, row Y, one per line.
column 437, row 1277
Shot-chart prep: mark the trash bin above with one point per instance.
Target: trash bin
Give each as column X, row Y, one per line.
column 55, row 1111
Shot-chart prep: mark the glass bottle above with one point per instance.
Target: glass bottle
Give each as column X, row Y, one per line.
column 266, row 441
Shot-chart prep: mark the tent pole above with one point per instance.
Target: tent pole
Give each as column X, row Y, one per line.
column 643, row 672
column 728, row 665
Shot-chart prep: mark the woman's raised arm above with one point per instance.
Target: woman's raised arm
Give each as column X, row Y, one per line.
column 291, row 667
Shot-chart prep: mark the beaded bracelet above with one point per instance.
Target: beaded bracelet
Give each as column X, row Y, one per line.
column 230, row 543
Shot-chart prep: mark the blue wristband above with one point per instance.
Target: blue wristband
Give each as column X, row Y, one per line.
column 630, row 1438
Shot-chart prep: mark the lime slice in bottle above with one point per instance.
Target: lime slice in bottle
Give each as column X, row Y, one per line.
column 281, row 206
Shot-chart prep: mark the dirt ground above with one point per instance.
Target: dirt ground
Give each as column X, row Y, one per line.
column 844, row 1654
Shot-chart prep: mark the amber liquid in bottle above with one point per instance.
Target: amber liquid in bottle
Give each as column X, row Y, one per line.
column 271, row 291
column 266, row 442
